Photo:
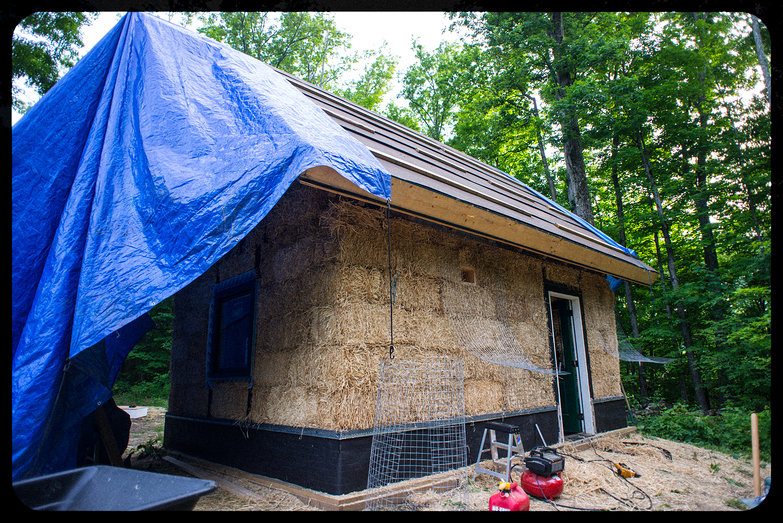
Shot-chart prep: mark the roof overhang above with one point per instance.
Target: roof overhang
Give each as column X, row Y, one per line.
column 435, row 182
column 438, row 207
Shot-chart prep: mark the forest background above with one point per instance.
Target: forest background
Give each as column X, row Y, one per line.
column 655, row 127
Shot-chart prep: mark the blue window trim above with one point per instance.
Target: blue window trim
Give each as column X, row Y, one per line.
column 239, row 284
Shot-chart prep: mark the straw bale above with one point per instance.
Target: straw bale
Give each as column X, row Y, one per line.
column 324, row 320
column 349, row 408
column 184, row 369
column 334, row 368
column 294, row 260
column 285, row 405
column 601, row 335
column 563, row 274
column 523, row 389
column 348, row 225
column 312, row 407
column 270, row 368
column 362, row 284
column 482, row 396
column 416, row 292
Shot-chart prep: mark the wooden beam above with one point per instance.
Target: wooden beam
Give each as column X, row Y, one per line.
column 345, row 502
column 221, row 482
column 107, row 437
column 450, row 212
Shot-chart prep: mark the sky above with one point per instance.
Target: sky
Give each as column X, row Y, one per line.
column 369, row 31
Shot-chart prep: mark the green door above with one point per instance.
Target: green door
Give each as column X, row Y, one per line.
column 566, row 356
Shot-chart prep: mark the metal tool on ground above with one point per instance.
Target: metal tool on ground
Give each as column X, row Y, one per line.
column 513, row 448
column 625, row 471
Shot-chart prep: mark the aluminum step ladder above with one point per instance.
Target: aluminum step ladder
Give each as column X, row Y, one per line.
column 513, row 448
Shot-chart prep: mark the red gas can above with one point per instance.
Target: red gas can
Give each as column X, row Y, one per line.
column 548, row 487
column 509, row 498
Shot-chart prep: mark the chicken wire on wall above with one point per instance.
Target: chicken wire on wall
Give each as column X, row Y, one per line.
column 418, row 456
column 483, row 322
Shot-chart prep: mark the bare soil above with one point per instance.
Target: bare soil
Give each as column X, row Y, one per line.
column 672, row 476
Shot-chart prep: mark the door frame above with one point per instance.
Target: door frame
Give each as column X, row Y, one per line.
column 582, row 370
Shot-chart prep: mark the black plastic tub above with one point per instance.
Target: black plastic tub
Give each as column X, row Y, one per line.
column 102, row 487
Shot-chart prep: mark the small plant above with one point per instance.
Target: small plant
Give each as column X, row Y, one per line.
column 151, row 449
column 732, row 482
column 735, row 503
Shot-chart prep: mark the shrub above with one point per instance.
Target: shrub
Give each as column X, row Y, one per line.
column 728, row 431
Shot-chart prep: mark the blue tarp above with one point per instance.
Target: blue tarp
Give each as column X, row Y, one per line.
column 144, row 165
column 614, row 283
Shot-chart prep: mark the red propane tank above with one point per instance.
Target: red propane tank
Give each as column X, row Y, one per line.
column 509, row 498
column 548, row 487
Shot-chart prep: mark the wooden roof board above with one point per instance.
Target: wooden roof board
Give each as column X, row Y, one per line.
column 421, row 161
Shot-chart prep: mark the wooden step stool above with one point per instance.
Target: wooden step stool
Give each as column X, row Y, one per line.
column 512, row 449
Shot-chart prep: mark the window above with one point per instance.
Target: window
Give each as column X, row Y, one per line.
column 468, row 274
column 232, row 322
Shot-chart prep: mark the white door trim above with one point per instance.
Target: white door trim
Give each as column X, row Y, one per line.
column 583, row 376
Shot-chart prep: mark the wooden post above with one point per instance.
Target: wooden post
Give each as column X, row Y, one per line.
column 107, row 437
column 754, row 435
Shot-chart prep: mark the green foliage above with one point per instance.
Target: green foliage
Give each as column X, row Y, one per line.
column 150, row 449
column 433, row 85
column 144, row 377
column 304, row 44
column 728, row 431
column 369, row 89
column 307, row 45
column 678, row 81
column 44, row 46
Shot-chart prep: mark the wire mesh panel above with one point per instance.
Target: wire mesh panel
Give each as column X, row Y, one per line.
column 626, row 351
column 418, row 457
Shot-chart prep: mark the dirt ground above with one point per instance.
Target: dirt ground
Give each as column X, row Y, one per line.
column 671, row 477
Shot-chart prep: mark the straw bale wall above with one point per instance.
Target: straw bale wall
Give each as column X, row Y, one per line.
column 323, row 316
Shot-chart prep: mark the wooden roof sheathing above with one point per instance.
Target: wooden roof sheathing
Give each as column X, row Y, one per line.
column 438, row 183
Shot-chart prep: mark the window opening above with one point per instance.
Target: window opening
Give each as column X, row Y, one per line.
column 231, row 338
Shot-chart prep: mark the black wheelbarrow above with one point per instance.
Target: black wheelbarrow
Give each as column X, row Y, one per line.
column 102, row 487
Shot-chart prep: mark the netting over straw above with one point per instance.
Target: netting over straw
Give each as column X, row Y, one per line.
column 627, row 352
column 482, row 322
column 419, row 433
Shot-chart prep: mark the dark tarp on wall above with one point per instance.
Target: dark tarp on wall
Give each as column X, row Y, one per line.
column 143, row 166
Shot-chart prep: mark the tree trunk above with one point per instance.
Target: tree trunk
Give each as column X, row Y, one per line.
column 628, row 296
column 743, row 177
column 762, row 56
column 578, row 188
column 701, row 396
column 542, row 151
column 700, row 197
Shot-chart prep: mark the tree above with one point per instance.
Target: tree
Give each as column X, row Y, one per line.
column 432, row 87
column 678, row 164
column 546, row 53
column 762, row 55
column 44, row 46
column 563, row 67
column 372, row 86
column 304, row 44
